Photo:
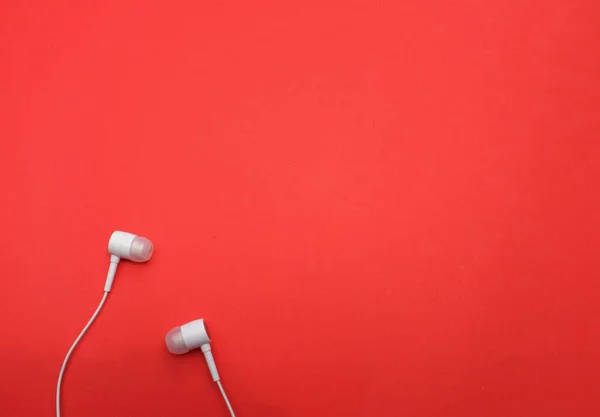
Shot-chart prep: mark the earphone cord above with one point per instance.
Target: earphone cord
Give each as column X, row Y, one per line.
column 225, row 398
column 64, row 365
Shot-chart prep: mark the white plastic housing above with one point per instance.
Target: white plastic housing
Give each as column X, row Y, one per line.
column 129, row 246
column 190, row 336
column 184, row 338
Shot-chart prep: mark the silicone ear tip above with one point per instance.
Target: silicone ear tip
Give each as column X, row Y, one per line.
column 141, row 249
column 174, row 341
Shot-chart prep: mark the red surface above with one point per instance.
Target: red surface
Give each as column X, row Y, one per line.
column 382, row 209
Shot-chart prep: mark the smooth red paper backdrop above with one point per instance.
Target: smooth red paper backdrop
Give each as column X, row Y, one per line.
column 382, row 208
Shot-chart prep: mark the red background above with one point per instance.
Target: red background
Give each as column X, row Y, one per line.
column 381, row 208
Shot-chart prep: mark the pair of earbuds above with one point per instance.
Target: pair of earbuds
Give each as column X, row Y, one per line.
column 179, row 340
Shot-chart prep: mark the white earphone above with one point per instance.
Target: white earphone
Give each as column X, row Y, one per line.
column 194, row 335
column 179, row 340
column 122, row 245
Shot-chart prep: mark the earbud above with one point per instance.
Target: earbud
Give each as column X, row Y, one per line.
column 129, row 246
column 126, row 246
column 121, row 245
column 192, row 335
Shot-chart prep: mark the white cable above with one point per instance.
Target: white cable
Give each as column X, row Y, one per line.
column 64, row 365
column 225, row 398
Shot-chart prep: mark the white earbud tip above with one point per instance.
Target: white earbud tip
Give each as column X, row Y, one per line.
column 174, row 341
column 141, row 249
